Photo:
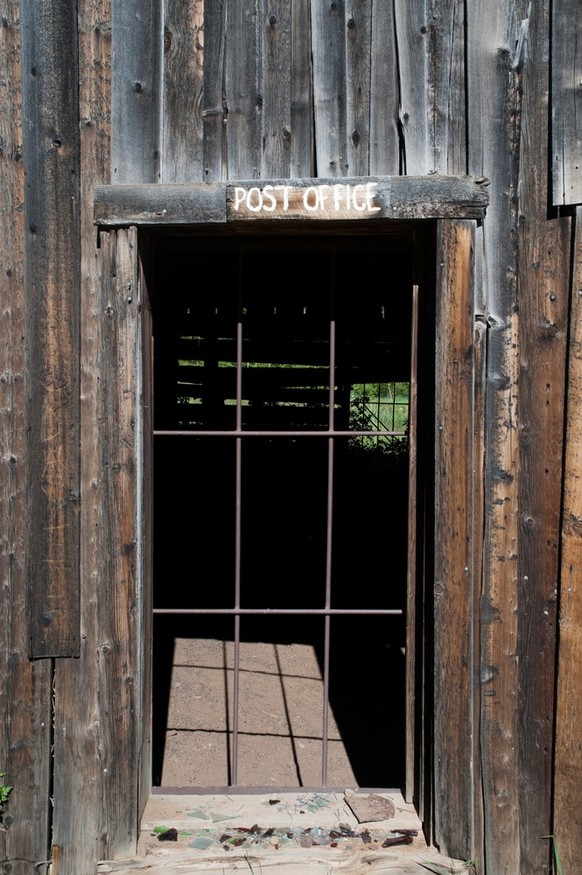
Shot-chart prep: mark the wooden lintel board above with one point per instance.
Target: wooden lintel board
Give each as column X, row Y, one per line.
column 278, row 200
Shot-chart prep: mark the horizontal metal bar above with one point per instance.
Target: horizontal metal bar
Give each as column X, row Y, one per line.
column 237, row 433
column 319, row 612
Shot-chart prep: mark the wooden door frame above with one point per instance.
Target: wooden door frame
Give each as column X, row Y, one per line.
column 444, row 768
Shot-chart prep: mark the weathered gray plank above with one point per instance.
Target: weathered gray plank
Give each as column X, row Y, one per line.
column 447, row 98
column 568, row 787
column 275, row 18
column 412, row 48
column 566, row 101
column 384, row 93
column 136, row 91
column 25, row 691
column 79, row 822
column 454, row 525
column 160, row 204
column 214, row 108
column 302, row 145
column 358, row 36
column 288, row 199
column 51, row 154
column 493, row 104
column 543, row 305
column 244, row 100
column 183, row 76
column 329, row 88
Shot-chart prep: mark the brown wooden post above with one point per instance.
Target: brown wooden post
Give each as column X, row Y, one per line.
column 568, row 787
column 455, row 523
column 543, row 277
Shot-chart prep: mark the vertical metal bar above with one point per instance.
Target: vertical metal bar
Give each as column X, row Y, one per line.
column 237, row 550
column 411, row 582
column 329, row 536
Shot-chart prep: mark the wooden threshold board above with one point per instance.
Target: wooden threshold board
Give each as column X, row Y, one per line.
column 267, row 832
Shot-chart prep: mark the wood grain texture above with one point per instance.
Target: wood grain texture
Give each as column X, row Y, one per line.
column 214, row 111
column 568, row 788
column 183, row 80
column 51, row 156
column 454, row 532
column 412, row 44
column 328, row 25
column 136, row 91
column 446, row 91
column 24, row 729
column 276, row 23
column 385, row 158
column 358, row 38
column 393, row 198
column 544, row 266
column 302, row 125
column 80, row 825
column 97, row 734
column 244, row 98
column 566, row 102
column 493, row 106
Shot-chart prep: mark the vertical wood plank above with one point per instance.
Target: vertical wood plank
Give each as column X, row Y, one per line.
column 412, row 46
column 358, row 37
column 329, row 87
column 385, row 156
column 544, row 266
column 25, row 735
column 454, row 523
column 214, row 113
column 183, row 77
column 446, row 88
column 87, row 825
column 568, row 787
column 145, row 510
column 566, row 101
column 136, row 91
column 493, row 104
column 243, row 92
column 97, row 779
column 302, row 144
column 276, row 78
column 51, row 156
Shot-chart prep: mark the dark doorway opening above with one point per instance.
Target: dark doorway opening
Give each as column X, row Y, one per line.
column 283, row 417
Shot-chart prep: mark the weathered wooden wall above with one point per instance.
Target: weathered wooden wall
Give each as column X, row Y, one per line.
column 217, row 90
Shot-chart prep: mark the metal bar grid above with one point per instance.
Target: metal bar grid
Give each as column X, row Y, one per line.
column 237, row 434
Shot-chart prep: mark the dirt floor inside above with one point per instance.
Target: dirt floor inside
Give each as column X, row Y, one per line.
column 281, row 715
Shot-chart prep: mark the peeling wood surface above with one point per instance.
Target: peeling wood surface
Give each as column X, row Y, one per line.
column 568, row 804
column 567, row 102
column 25, row 730
column 395, row 197
column 51, row 331
column 454, row 532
